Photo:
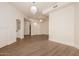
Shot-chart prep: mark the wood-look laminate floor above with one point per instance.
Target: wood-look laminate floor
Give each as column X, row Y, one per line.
column 38, row 46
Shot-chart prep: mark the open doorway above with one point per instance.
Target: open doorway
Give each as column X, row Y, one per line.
column 27, row 28
column 35, row 29
column 18, row 27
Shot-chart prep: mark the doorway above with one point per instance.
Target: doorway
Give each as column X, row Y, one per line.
column 18, row 27
column 27, row 28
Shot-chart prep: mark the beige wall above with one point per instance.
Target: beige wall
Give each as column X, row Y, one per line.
column 8, row 16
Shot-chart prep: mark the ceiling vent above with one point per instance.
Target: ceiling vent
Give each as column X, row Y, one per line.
column 55, row 6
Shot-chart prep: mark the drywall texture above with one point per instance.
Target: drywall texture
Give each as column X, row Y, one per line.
column 8, row 16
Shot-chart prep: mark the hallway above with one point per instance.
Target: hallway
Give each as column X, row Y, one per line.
column 37, row 46
column 59, row 21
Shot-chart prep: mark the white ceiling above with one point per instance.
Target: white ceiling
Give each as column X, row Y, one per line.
column 25, row 8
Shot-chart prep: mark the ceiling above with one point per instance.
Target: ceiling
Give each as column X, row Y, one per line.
column 24, row 7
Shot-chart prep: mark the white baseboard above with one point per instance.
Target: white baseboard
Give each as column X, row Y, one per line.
column 62, row 42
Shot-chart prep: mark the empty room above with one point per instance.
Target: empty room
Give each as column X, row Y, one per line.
column 39, row 28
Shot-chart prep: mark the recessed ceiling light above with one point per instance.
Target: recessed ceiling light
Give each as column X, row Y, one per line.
column 41, row 20
column 35, row 24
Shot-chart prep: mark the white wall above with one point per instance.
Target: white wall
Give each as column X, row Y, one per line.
column 76, row 40
column 44, row 27
column 26, row 28
column 8, row 16
column 40, row 28
column 61, row 25
column 35, row 29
